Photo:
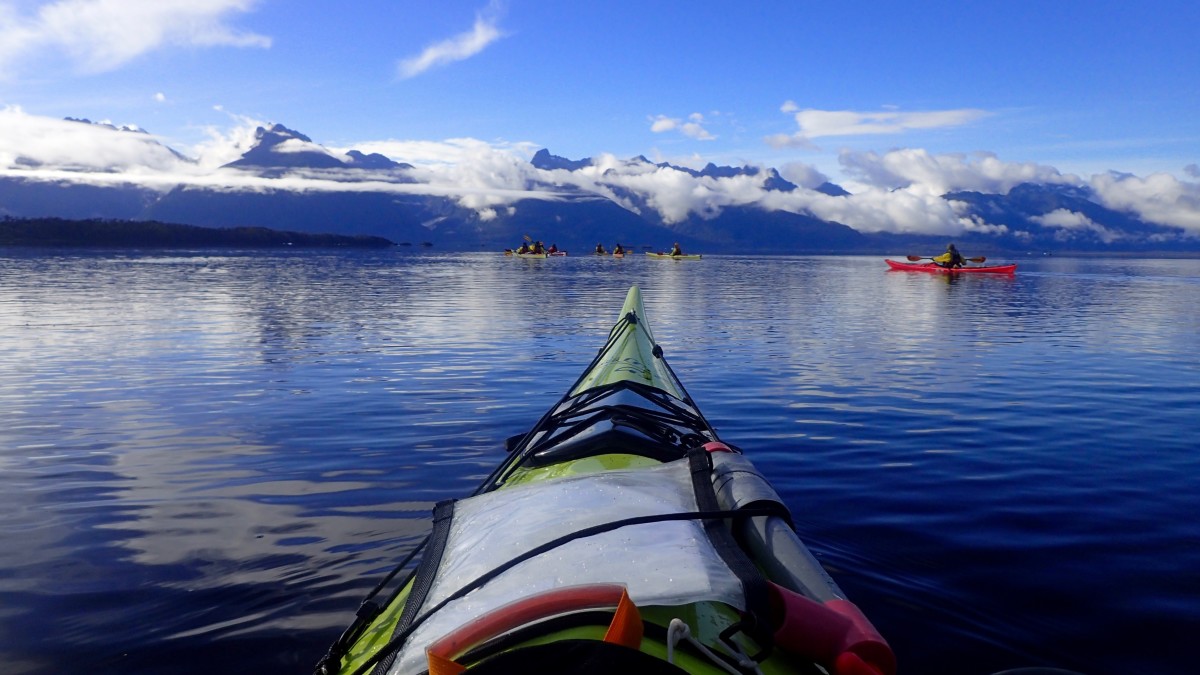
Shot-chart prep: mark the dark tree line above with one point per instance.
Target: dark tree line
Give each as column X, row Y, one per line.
column 153, row 234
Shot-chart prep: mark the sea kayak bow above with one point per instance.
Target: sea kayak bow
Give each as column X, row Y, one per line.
column 938, row 269
column 620, row 534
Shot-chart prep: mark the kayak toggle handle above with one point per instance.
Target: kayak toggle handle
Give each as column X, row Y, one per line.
column 834, row 633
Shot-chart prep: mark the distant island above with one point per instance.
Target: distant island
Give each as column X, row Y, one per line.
column 105, row 233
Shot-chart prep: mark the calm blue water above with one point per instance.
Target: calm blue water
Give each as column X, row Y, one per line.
column 207, row 459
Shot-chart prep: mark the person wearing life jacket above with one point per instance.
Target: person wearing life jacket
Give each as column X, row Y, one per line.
column 523, row 248
column 675, row 250
column 600, row 249
column 553, row 248
column 617, row 249
column 951, row 258
column 538, row 247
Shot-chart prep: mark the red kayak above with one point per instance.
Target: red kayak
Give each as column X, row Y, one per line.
column 938, row 269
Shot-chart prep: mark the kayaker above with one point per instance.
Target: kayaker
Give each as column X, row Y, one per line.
column 617, row 250
column 538, row 247
column 600, row 249
column 951, row 258
column 675, row 250
column 553, row 248
column 523, row 248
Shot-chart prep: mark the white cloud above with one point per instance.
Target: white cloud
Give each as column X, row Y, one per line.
column 32, row 141
column 458, row 48
column 981, row 171
column 478, row 175
column 1070, row 222
column 821, row 123
column 693, row 127
column 1159, row 198
column 450, row 152
column 789, row 141
column 661, row 123
column 297, row 146
column 675, row 194
column 802, row 174
column 224, row 146
column 160, row 97
column 817, row 123
column 910, row 210
column 102, row 35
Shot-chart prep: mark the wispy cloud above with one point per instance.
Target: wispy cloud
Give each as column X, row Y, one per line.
column 1068, row 223
column 692, row 127
column 102, row 35
column 822, row 123
column 458, row 48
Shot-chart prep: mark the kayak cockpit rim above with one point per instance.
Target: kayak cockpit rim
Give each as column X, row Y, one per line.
column 609, row 419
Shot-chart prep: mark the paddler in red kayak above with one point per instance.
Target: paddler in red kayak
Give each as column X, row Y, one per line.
column 951, row 258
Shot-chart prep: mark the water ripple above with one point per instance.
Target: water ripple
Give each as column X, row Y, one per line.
column 209, row 458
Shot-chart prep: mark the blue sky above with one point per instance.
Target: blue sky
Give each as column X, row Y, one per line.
column 845, row 90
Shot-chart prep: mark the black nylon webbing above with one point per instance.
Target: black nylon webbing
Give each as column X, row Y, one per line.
column 754, row 585
column 443, row 515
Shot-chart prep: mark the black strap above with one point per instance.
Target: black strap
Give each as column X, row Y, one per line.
column 443, row 515
column 754, row 584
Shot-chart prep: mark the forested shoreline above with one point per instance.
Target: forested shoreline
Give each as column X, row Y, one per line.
column 102, row 233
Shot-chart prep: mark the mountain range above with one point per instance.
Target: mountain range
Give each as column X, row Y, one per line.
column 286, row 181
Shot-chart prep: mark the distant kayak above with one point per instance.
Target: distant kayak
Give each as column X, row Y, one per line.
column 528, row 255
column 938, row 269
column 694, row 256
column 557, row 253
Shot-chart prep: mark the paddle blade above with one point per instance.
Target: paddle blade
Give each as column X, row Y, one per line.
column 978, row 259
column 915, row 258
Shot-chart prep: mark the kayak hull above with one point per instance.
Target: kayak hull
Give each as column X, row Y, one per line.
column 938, row 269
column 617, row 525
column 693, row 256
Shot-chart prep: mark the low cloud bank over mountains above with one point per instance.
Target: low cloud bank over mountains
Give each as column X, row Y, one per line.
column 466, row 194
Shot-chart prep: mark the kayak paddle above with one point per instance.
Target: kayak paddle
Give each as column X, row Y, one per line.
column 977, row 259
